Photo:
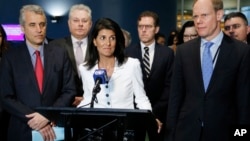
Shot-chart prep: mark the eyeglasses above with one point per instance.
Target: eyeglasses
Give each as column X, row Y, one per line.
column 191, row 36
column 145, row 26
column 234, row 26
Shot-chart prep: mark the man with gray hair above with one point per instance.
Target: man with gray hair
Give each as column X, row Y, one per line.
column 80, row 23
column 34, row 75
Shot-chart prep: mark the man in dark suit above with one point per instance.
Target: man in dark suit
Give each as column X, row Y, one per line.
column 204, row 108
column 79, row 22
column 157, row 81
column 25, row 86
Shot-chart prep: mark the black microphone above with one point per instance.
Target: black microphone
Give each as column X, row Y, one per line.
column 100, row 77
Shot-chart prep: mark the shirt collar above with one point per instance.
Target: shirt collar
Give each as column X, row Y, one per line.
column 151, row 47
column 217, row 40
column 74, row 40
column 32, row 50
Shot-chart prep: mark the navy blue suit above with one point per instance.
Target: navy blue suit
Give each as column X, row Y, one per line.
column 67, row 44
column 157, row 85
column 226, row 101
column 19, row 90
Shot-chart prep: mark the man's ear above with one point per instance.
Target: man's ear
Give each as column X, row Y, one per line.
column 157, row 29
column 220, row 14
column 248, row 29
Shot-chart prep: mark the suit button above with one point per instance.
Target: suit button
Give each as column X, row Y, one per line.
column 107, row 86
column 108, row 103
column 107, row 95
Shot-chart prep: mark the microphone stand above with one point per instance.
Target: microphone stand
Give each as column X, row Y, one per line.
column 95, row 91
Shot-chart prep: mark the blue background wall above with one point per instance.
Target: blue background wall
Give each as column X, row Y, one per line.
column 124, row 12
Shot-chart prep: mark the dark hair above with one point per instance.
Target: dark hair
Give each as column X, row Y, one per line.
column 150, row 14
column 157, row 35
column 92, row 55
column 4, row 44
column 181, row 33
column 171, row 37
column 235, row 15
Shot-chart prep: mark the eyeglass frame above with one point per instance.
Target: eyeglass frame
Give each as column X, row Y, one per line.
column 191, row 36
column 141, row 27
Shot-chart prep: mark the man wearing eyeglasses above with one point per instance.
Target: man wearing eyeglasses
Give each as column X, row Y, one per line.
column 157, row 78
column 236, row 26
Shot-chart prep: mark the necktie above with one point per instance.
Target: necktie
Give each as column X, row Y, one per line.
column 39, row 71
column 146, row 62
column 79, row 54
column 207, row 65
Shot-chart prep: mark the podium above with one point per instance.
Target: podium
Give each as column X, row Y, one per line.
column 99, row 118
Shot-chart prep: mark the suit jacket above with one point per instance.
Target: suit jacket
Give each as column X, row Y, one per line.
column 19, row 90
column 226, row 101
column 157, row 85
column 68, row 45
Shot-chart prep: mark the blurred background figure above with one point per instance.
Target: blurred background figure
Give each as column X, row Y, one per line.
column 236, row 26
column 160, row 38
column 187, row 32
column 173, row 40
column 4, row 116
column 127, row 36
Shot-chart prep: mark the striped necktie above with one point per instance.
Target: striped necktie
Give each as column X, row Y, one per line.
column 146, row 62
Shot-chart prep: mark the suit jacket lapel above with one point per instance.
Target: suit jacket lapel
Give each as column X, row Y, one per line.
column 195, row 54
column 24, row 54
column 224, row 54
column 69, row 48
column 138, row 52
column 155, row 59
column 48, row 65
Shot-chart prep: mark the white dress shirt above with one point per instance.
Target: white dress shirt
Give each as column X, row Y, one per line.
column 151, row 52
column 125, row 83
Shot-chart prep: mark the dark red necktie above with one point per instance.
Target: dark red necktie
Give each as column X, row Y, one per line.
column 39, row 71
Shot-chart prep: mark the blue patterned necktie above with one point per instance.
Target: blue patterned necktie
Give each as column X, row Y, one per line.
column 207, row 64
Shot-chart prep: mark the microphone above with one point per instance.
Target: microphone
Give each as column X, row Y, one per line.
column 100, row 77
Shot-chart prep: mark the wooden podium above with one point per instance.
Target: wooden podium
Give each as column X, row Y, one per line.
column 99, row 118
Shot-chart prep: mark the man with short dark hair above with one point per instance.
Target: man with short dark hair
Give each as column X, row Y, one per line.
column 236, row 26
column 157, row 70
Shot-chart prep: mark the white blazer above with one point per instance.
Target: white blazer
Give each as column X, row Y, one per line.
column 125, row 83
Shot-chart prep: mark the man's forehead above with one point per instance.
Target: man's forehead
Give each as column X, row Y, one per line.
column 235, row 20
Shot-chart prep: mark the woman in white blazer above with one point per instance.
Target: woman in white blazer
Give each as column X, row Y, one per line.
column 106, row 51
